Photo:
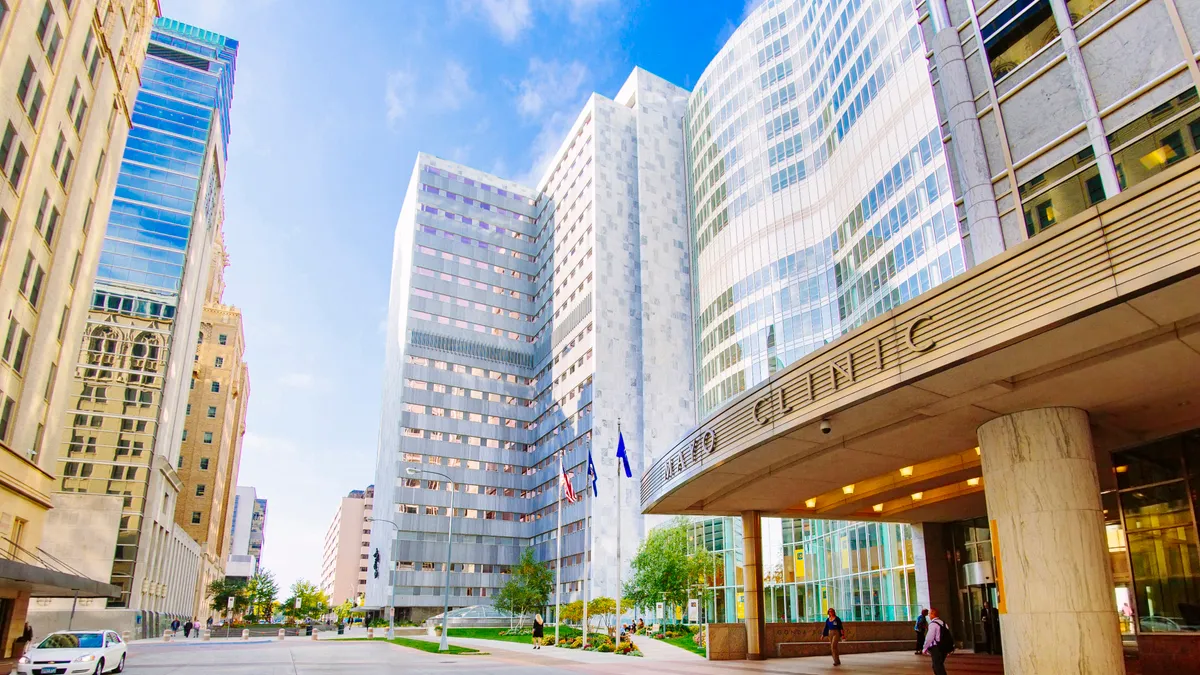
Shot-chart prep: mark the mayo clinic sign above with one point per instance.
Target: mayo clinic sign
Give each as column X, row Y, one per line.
column 862, row 359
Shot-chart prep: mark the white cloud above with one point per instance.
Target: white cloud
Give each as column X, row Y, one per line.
column 552, row 93
column 549, row 86
column 455, row 88
column 509, row 18
column 299, row 380
column 399, row 94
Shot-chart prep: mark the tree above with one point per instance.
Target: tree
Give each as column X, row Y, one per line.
column 604, row 607
column 221, row 590
column 527, row 589
column 344, row 610
column 261, row 592
column 572, row 612
column 664, row 570
column 313, row 602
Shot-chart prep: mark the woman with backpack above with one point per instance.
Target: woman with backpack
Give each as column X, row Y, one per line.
column 939, row 642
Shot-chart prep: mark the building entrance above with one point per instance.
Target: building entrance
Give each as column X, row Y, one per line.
column 977, row 605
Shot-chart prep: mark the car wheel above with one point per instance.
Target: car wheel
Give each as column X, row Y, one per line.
column 100, row 667
column 120, row 665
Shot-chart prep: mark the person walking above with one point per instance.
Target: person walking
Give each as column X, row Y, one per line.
column 209, row 622
column 187, row 629
column 195, row 627
column 175, row 626
column 835, row 632
column 939, row 642
column 922, row 628
column 539, row 630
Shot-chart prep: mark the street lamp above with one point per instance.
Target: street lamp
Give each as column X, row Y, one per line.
column 443, row 646
column 391, row 633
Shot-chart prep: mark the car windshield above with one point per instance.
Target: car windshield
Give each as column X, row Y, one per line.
column 72, row 641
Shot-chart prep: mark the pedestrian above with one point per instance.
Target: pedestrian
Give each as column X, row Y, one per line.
column 939, row 642
column 922, row 628
column 196, row 627
column 539, row 630
column 187, row 629
column 175, row 626
column 209, row 622
column 836, row 633
column 985, row 618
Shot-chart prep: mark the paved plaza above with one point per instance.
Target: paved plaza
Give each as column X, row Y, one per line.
column 298, row 656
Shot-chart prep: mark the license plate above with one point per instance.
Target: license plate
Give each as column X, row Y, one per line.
column 49, row 671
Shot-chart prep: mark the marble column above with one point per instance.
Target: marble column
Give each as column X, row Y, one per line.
column 1043, row 496
column 752, row 578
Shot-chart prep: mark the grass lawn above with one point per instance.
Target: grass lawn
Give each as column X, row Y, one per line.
column 685, row 642
column 423, row 645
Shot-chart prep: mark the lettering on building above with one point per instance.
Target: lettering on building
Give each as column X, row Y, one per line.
column 841, row 369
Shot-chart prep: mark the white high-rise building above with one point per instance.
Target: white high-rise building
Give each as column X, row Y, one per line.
column 524, row 322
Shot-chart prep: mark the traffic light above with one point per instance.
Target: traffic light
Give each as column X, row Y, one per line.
column 376, row 563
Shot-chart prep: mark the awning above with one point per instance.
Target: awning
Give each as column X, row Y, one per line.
column 46, row 583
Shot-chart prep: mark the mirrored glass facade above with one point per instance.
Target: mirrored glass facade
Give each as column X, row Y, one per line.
column 819, row 199
column 865, row 571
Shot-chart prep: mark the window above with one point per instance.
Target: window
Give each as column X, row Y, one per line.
column 222, row 338
column 68, row 164
column 24, row 85
column 195, row 517
column 188, row 410
column 23, row 286
column 35, row 291
column 73, row 97
column 204, row 464
column 219, row 362
column 18, row 361
column 200, row 490
column 18, row 167
column 52, row 227
column 216, row 387
column 35, row 106
column 59, row 146
column 80, row 115
column 184, row 435
column 6, row 147
column 55, row 43
column 75, row 269
column 212, row 412
column 43, row 27
column 6, row 418
column 1016, row 34
column 208, row 438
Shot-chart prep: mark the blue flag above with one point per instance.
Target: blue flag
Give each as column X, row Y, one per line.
column 621, row 453
column 591, row 473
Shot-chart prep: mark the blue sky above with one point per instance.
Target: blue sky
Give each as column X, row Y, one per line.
column 331, row 105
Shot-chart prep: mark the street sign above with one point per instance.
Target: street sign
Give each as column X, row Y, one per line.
column 229, row 602
column 658, row 611
column 693, row 611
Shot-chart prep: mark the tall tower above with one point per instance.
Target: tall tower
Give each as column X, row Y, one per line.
column 135, row 369
column 70, row 71
column 214, row 425
column 524, row 324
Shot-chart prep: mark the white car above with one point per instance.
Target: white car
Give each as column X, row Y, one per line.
column 75, row 653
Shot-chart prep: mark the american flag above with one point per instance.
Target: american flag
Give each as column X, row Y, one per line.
column 571, row 495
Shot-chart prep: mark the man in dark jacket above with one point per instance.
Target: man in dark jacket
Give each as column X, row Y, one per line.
column 187, row 629
column 922, row 628
column 835, row 632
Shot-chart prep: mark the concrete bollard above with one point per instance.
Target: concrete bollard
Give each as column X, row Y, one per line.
column 205, row 635
column 167, row 635
column 282, row 633
column 125, row 635
column 314, row 635
column 370, row 633
column 245, row 633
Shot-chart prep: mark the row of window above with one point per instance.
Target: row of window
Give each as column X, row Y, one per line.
column 411, row 432
column 491, row 397
column 459, row 463
column 471, row 370
column 495, row 420
column 468, row 304
column 478, row 285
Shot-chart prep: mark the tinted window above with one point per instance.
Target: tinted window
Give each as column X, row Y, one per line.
column 72, row 641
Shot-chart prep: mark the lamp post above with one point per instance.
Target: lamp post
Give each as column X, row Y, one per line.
column 443, row 646
column 391, row 631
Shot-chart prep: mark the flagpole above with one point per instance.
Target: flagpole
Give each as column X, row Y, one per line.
column 558, row 554
column 587, row 549
column 620, row 626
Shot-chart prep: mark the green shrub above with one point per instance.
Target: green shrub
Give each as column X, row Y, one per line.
column 605, row 647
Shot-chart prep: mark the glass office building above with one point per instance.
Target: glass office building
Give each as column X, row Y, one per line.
column 133, row 375
column 819, row 199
